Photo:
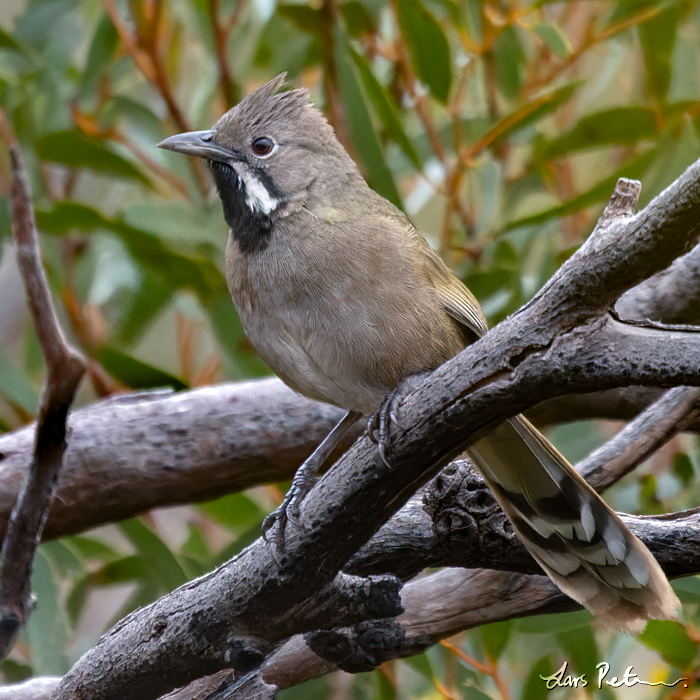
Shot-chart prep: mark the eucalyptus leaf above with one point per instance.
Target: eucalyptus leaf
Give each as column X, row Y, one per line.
column 134, row 373
column 671, row 640
column 163, row 562
column 359, row 123
column 75, row 150
column 15, row 386
column 427, row 45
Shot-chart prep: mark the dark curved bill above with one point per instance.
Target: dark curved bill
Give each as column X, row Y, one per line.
column 198, row 143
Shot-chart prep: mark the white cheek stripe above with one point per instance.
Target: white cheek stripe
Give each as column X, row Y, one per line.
column 257, row 197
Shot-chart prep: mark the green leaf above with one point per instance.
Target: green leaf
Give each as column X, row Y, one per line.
column 658, row 38
column 422, row 665
column 89, row 549
column 75, row 150
column 233, row 511
column 683, row 468
column 633, row 169
column 473, row 693
column 671, row 640
column 622, row 126
column 385, row 108
column 509, row 59
column 580, row 647
column 143, row 304
column 155, row 551
column 104, row 44
column 198, row 273
column 649, row 490
column 427, row 45
column 485, row 283
column 14, row 386
column 535, row 688
column 495, row 637
column 15, row 672
column 122, row 570
column 304, row 17
column 201, row 228
column 384, row 688
column 530, row 112
column 283, row 48
column 555, row 39
column 62, row 558
column 358, row 19
column 138, row 115
column 9, row 42
column 688, row 589
column 546, row 624
column 195, row 546
column 134, row 373
column 364, row 139
column 47, row 629
column 5, row 219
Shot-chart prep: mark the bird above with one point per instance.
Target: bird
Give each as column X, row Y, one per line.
column 345, row 301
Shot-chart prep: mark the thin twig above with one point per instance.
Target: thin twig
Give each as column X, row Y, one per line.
column 640, row 438
column 65, row 367
column 222, row 31
column 150, row 64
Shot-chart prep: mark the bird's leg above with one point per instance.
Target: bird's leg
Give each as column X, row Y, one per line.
column 379, row 423
column 305, row 478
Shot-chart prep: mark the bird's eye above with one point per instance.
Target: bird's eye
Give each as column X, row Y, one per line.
column 263, row 146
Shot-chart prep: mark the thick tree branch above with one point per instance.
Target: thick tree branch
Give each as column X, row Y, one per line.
column 130, row 454
column 538, row 352
column 670, row 296
column 65, row 367
column 461, row 525
column 156, row 449
column 133, row 453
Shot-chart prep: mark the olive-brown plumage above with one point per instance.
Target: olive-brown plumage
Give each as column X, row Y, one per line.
column 343, row 299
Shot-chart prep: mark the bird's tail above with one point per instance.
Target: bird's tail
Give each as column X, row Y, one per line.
column 575, row 537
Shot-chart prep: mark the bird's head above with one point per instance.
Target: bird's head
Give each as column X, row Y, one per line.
column 269, row 150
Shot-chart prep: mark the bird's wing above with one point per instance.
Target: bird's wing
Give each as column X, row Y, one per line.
column 454, row 296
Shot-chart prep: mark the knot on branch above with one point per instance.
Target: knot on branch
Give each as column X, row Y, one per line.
column 244, row 654
column 352, row 598
column 622, row 202
column 360, row 648
column 462, row 507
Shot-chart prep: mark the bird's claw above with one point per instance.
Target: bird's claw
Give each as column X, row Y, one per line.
column 289, row 511
column 379, row 423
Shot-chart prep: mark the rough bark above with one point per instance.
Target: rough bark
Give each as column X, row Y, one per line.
column 558, row 343
column 130, row 454
column 65, row 367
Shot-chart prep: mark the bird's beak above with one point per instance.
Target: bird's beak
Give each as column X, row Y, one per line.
column 198, row 143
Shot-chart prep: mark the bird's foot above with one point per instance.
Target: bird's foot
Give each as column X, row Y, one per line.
column 379, row 423
column 304, row 481
column 289, row 510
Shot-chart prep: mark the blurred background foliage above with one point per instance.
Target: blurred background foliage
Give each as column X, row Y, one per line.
column 500, row 127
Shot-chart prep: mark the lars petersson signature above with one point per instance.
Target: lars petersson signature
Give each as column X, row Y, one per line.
column 562, row 679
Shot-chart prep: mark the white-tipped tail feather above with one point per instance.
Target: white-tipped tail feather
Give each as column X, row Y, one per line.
column 577, row 539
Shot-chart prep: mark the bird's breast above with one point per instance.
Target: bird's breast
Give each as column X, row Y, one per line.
column 333, row 326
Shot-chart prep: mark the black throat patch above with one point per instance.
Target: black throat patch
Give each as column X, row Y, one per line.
column 251, row 229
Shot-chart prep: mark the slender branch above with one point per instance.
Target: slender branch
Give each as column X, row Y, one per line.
column 65, row 367
column 638, row 440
